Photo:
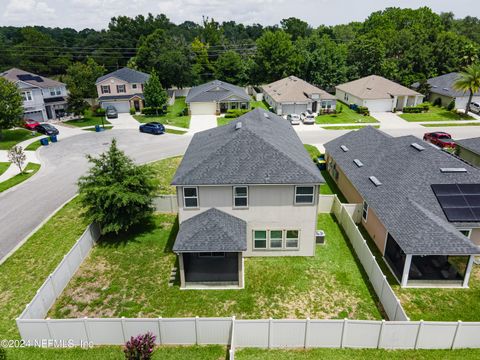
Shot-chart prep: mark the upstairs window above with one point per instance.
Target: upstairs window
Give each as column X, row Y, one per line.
column 240, row 196
column 27, row 96
column 134, row 86
column 121, row 89
column 304, row 194
column 190, row 197
column 259, row 239
column 105, row 89
column 365, row 211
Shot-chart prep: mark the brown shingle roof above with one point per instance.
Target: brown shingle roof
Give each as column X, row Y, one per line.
column 15, row 75
column 294, row 89
column 375, row 87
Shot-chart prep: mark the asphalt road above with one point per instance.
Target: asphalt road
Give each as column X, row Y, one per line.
column 25, row 207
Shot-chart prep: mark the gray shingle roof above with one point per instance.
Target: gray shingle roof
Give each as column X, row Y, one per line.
column 405, row 202
column 216, row 90
column 15, row 75
column 472, row 144
column 264, row 150
column 443, row 85
column 126, row 74
column 212, row 230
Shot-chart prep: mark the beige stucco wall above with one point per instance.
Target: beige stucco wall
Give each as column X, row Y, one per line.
column 271, row 207
column 468, row 156
column 113, row 82
column 475, row 236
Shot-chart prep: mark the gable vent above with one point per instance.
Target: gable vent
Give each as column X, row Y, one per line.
column 358, row 162
column 417, row 146
column 453, row 170
column 344, row 148
column 238, row 125
column 375, row 181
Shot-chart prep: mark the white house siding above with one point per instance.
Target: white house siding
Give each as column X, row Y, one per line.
column 271, row 207
column 203, row 108
column 348, row 98
column 35, row 108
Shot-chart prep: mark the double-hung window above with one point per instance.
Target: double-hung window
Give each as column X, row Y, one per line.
column 260, row 239
column 365, row 211
column 304, row 194
column 240, row 196
column 121, row 89
column 276, row 239
column 105, row 89
column 291, row 239
column 190, row 197
column 134, row 86
column 27, row 96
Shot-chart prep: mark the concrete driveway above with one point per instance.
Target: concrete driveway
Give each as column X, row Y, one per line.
column 202, row 122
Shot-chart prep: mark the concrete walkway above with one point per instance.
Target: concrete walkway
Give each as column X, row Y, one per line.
column 390, row 120
column 202, row 122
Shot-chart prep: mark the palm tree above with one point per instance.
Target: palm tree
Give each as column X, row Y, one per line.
column 469, row 80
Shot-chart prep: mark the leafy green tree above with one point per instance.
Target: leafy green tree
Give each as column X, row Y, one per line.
column 230, row 67
column 212, row 33
column 116, row 193
column 76, row 103
column 469, row 81
column 296, row 28
column 11, row 102
column 365, row 56
column 155, row 94
column 202, row 67
column 275, row 57
column 81, row 78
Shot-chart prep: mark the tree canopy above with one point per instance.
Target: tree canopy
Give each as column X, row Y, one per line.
column 10, row 105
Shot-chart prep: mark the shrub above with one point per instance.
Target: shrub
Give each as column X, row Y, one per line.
column 99, row 112
column 340, row 109
column 363, row 110
column 235, row 113
column 425, row 106
column 133, row 111
column 451, row 105
column 412, row 109
column 152, row 111
column 140, row 347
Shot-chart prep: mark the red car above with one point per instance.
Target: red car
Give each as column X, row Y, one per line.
column 440, row 139
column 30, row 124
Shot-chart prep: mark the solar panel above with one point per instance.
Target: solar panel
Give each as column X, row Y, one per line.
column 452, row 201
column 459, row 214
column 459, row 202
column 469, row 188
column 446, row 189
column 473, row 200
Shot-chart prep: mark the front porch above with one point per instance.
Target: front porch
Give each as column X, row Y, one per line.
column 137, row 103
column 224, row 106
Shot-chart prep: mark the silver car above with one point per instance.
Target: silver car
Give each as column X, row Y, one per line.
column 475, row 107
column 294, row 119
column 309, row 119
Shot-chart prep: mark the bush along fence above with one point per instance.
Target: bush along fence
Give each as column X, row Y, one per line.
column 265, row 333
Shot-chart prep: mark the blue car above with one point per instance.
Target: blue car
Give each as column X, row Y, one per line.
column 154, row 128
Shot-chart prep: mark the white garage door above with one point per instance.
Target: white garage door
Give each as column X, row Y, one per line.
column 34, row 115
column 379, row 105
column 293, row 108
column 121, row 106
column 203, row 108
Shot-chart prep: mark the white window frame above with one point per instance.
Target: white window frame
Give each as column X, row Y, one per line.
column 266, row 240
column 124, row 89
column 304, row 203
column 105, row 89
column 282, row 239
column 468, row 230
column 134, row 86
column 239, row 197
column 190, row 197
column 27, row 96
column 286, row 239
column 365, row 211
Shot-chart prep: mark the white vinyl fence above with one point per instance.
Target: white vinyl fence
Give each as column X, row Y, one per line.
column 400, row 333
column 166, row 203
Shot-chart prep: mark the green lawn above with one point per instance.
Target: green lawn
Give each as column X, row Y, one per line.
column 128, row 276
column 3, row 167
column 209, row 352
column 34, row 146
column 346, row 116
column 330, row 187
column 259, row 104
column 434, row 304
column 173, row 116
column 353, row 354
column 436, row 113
column 17, row 179
column 312, row 151
column 25, row 271
column 11, row 138
column 224, row 121
column 88, row 120
column 175, row 132
column 164, row 171
column 352, row 127
column 451, row 124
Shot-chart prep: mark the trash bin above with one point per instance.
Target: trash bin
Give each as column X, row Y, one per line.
column 97, row 128
column 53, row 138
column 44, row 141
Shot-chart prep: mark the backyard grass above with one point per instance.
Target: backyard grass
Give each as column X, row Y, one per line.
column 17, row 179
column 352, row 127
column 3, row 167
column 25, row 271
column 452, row 124
column 88, row 120
column 128, row 276
column 11, row 138
column 352, row 354
column 312, row 151
column 259, row 104
column 164, row 171
column 209, row 352
column 173, row 116
column 434, row 304
column 330, row 187
column 436, row 113
column 346, row 116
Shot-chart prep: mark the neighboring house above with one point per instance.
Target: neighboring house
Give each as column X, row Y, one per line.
column 377, row 94
column 43, row 98
column 122, row 89
column 419, row 204
column 216, row 97
column 443, row 92
column 469, row 150
column 292, row 95
column 248, row 188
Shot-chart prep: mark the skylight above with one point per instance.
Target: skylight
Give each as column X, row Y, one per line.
column 358, row 162
column 375, row 181
column 453, row 170
column 344, row 148
column 417, row 146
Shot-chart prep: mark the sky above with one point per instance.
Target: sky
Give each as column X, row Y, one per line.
column 80, row 14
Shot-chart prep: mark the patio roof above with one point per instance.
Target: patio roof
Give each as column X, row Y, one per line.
column 212, row 231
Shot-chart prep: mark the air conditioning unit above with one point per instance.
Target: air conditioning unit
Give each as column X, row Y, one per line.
column 320, row 237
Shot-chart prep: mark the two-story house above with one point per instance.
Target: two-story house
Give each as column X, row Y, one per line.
column 43, row 98
column 122, row 89
column 245, row 189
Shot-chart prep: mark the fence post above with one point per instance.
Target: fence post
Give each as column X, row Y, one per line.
column 269, row 333
column 459, row 324
column 307, row 333
column 196, row 330
column 344, row 331
column 123, row 329
column 87, row 331
column 380, row 333
column 418, row 334
column 232, row 339
column 160, row 339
